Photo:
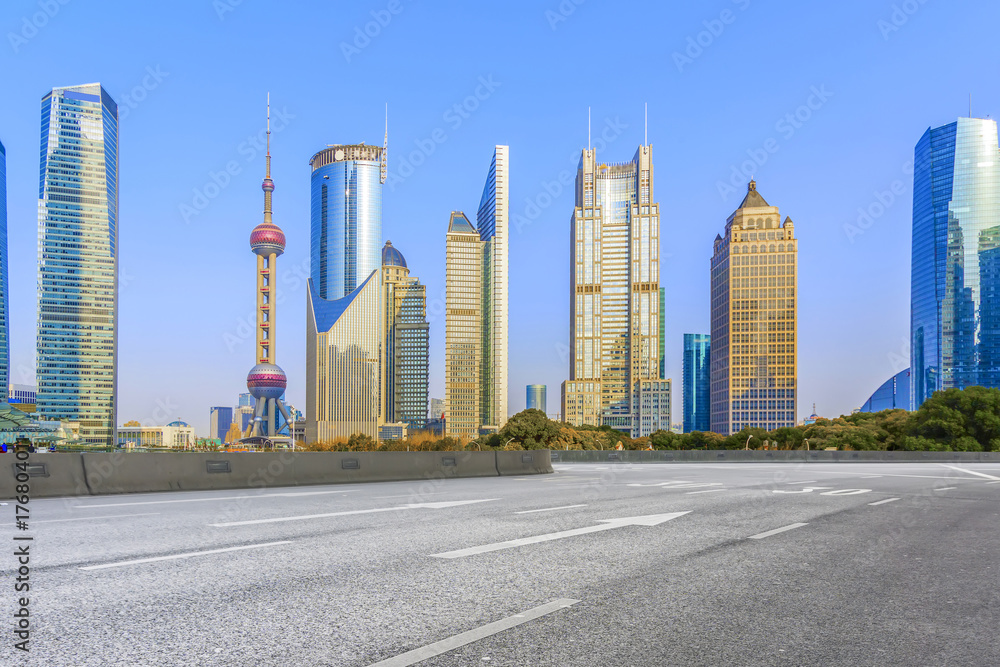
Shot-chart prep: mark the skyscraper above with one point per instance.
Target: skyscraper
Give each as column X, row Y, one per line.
column 615, row 298
column 955, row 269
column 345, row 304
column 405, row 352
column 4, row 316
column 77, row 354
column 220, row 419
column 697, row 386
column 754, row 325
column 535, row 397
column 476, row 310
column 266, row 381
column 663, row 332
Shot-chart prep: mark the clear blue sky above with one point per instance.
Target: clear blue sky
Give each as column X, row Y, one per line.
column 187, row 285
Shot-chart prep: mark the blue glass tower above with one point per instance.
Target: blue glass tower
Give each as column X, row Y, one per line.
column 697, row 382
column 346, row 211
column 954, row 328
column 535, row 398
column 893, row 394
column 77, row 354
column 4, row 317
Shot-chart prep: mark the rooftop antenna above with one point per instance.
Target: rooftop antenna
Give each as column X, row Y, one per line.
column 385, row 146
column 970, row 105
column 645, row 125
column 588, row 128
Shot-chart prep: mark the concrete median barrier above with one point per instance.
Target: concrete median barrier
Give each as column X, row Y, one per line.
column 49, row 475
column 531, row 462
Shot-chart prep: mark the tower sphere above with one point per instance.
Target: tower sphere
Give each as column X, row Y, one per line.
column 267, row 239
column 266, row 381
column 267, row 185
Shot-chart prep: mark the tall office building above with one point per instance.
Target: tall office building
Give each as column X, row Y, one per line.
column 77, row 354
column 220, row 419
column 955, row 269
column 753, row 349
column 243, row 413
column 476, row 310
column 663, row 332
column 405, row 369
column 697, row 382
column 436, row 408
column 615, row 298
column 345, row 327
column 4, row 315
column 535, row 398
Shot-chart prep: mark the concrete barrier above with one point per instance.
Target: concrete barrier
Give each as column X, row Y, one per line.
column 759, row 456
column 99, row 473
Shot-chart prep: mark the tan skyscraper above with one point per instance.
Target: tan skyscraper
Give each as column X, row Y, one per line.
column 476, row 311
column 754, row 325
column 615, row 299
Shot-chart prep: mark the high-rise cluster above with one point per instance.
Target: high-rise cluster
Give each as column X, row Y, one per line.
column 476, row 310
column 615, row 318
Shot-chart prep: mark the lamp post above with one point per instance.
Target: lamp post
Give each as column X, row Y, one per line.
column 747, row 446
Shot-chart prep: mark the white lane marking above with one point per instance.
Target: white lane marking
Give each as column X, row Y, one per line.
column 808, row 489
column 883, row 502
column 549, row 509
column 769, row 533
column 947, row 488
column 202, row 500
column 691, row 493
column 972, row 472
column 400, row 508
column 997, row 482
column 609, row 524
column 95, row 518
column 450, row 644
column 411, row 495
column 187, row 555
column 811, row 481
column 869, row 476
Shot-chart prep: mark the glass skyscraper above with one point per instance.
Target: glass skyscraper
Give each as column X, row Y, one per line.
column 220, row 419
column 955, row 272
column 346, row 228
column 405, row 352
column 535, row 397
column 893, row 394
column 697, row 382
column 4, row 316
column 77, row 355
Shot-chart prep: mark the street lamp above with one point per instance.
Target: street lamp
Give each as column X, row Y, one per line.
column 747, row 446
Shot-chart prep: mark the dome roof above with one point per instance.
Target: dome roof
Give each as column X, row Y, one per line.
column 267, row 238
column 392, row 257
column 179, row 423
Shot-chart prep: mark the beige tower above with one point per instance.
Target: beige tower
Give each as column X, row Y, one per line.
column 753, row 358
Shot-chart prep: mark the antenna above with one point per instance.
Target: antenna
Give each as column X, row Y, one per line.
column 645, row 125
column 588, row 128
column 385, row 147
column 970, row 105
column 269, row 122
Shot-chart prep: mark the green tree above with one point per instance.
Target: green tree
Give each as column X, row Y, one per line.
column 959, row 419
column 531, row 429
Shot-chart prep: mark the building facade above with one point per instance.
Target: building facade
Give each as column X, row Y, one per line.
column 220, row 419
column 615, row 311
column 697, row 382
column 4, row 292
column 894, row 394
column 955, row 269
column 406, row 348
column 77, row 338
column 754, row 327
column 476, row 310
column 175, row 435
column 536, row 398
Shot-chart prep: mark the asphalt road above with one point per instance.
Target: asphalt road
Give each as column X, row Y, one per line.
column 878, row 564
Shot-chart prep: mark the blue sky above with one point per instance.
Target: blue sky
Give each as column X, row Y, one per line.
column 822, row 102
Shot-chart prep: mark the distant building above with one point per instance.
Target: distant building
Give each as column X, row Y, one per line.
column 811, row 419
column 536, row 399
column 436, row 408
column 406, row 348
column 393, row 431
column 243, row 413
column 955, row 262
column 175, row 435
column 21, row 393
column 219, row 421
column 653, row 402
column 697, row 382
column 893, row 394
column 77, row 336
column 753, row 307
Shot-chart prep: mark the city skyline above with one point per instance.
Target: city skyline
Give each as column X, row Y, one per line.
column 174, row 150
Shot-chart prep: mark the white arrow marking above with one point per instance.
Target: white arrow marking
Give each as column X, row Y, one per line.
column 973, row 472
column 304, row 517
column 808, row 489
column 609, row 524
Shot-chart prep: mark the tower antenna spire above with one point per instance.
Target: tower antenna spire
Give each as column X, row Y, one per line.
column 269, row 134
column 385, row 148
column 588, row 128
column 645, row 124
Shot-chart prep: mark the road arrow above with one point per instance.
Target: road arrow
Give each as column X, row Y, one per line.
column 609, row 524
column 400, row 508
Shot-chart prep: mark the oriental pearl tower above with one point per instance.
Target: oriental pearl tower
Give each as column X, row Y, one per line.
column 266, row 381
